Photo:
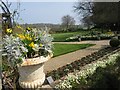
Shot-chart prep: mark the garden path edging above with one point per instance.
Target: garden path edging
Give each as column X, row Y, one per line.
column 82, row 67
column 60, row 61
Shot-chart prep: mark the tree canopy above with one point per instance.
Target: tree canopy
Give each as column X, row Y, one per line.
column 102, row 14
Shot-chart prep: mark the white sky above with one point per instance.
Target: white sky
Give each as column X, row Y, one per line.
column 61, row 0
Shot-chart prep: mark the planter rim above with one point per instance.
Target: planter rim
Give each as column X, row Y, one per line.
column 35, row 61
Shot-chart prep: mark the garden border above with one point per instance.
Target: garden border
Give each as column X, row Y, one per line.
column 58, row 74
column 87, row 70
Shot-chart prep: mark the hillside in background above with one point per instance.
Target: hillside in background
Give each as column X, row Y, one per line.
column 54, row 27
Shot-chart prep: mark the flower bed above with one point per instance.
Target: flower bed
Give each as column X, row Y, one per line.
column 91, row 37
column 60, row 72
column 90, row 75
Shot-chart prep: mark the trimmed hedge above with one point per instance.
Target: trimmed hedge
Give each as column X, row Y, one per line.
column 94, row 37
column 114, row 42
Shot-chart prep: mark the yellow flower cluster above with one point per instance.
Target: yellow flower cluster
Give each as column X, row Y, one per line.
column 32, row 44
column 21, row 36
column 9, row 30
column 28, row 37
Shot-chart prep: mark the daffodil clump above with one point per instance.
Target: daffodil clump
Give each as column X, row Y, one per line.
column 29, row 44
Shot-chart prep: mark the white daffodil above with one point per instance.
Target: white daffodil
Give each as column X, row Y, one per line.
column 36, row 47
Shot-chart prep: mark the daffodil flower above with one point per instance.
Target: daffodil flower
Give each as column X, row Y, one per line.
column 28, row 28
column 36, row 47
column 28, row 38
column 32, row 44
column 21, row 36
column 9, row 30
column 41, row 45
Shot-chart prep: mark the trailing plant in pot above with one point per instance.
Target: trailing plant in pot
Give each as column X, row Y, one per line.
column 28, row 51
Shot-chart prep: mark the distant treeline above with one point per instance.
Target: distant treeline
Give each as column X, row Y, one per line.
column 54, row 28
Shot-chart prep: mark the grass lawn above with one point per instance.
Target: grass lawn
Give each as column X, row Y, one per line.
column 60, row 49
column 61, row 37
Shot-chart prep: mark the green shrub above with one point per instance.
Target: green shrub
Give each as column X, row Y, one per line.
column 114, row 42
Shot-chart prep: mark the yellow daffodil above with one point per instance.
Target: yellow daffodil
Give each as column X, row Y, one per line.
column 28, row 28
column 21, row 36
column 19, row 27
column 32, row 44
column 9, row 30
column 41, row 45
column 28, row 38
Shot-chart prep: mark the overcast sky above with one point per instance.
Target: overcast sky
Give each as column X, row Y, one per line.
column 45, row 12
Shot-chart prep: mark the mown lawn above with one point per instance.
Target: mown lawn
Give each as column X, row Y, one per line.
column 60, row 49
column 61, row 37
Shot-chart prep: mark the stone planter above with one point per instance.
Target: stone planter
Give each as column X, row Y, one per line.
column 31, row 72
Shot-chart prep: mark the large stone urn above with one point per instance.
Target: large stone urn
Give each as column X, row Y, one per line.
column 31, row 72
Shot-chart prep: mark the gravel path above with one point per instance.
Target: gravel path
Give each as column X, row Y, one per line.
column 55, row 63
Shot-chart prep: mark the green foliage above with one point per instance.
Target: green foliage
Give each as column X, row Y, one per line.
column 107, row 78
column 90, row 37
column 84, row 34
column 114, row 42
column 101, row 14
column 105, row 12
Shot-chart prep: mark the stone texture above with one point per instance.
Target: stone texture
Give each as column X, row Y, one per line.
column 32, row 75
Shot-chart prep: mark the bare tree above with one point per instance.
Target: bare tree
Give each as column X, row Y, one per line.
column 67, row 21
column 85, row 11
column 84, row 8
